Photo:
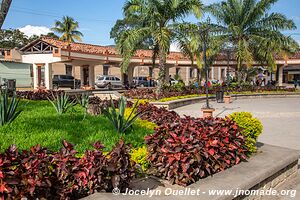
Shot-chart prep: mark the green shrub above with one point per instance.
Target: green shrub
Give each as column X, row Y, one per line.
column 61, row 103
column 8, row 108
column 139, row 156
column 117, row 117
column 251, row 128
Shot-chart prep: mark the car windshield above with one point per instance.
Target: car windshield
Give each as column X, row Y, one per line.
column 101, row 78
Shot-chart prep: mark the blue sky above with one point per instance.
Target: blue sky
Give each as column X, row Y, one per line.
column 96, row 17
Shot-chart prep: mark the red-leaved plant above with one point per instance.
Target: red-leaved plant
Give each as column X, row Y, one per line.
column 39, row 173
column 189, row 149
column 157, row 115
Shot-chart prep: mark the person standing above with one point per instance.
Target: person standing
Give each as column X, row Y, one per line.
column 295, row 83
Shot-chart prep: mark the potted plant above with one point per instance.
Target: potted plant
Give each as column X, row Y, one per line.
column 227, row 98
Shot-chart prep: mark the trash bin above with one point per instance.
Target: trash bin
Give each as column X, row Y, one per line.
column 220, row 96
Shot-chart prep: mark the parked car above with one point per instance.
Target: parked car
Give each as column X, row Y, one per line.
column 65, row 81
column 141, row 81
column 173, row 81
column 105, row 81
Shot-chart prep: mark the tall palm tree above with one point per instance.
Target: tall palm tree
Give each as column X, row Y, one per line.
column 156, row 21
column 5, row 4
column 68, row 28
column 254, row 33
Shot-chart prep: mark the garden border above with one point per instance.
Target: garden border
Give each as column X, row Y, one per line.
column 184, row 102
column 267, row 169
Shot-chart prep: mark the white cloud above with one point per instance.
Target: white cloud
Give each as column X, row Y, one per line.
column 30, row 30
column 207, row 2
column 174, row 47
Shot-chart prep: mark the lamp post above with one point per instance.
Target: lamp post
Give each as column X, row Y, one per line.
column 205, row 34
column 228, row 68
column 228, row 49
column 207, row 110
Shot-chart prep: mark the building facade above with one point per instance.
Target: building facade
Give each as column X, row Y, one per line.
column 50, row 57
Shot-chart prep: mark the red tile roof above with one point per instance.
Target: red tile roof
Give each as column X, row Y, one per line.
column 103, row 50
column 112, row 51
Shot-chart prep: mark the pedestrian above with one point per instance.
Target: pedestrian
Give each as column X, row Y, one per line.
column 208, row 84
column 170, row 81
column 149, row 81
column 295, row 83
column 196, row 84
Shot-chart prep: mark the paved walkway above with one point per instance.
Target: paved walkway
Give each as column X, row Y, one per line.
column 280, row 117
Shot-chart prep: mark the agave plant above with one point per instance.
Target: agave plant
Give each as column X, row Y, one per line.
column 8, row 107
column 61, row 103
column 117, row 116
column 83, row 100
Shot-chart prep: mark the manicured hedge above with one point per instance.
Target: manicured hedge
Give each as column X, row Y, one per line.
column 251, row 128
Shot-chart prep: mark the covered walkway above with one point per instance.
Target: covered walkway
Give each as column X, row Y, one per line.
column 51, row 56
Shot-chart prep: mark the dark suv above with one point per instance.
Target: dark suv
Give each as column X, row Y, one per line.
column 65, row 81
column 142, row 81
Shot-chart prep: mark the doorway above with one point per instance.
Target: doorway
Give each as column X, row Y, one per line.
column 85, row 75
column 41, row 76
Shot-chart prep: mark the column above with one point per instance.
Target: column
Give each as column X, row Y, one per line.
column 212, row 72
column 81, row 76
column 187, row 75
column 35, row 76
column 280, row 76
column 91, row 75
column 48, row 76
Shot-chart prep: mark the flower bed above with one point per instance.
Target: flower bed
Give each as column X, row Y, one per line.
column 151, row 94
column 189, row 149
column 157, row 115
column 42, row 174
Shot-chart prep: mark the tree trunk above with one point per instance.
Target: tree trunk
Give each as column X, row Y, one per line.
column 5, row 4
column 162, row 69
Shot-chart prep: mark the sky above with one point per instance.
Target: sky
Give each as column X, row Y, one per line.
column 97, row 17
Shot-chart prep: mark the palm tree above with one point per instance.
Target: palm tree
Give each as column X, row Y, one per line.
column 252, row 31
column 156, row 21
column 190, row 40
column 4, row 7
column 68, row 27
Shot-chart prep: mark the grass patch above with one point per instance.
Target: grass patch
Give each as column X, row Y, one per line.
column 40, row 124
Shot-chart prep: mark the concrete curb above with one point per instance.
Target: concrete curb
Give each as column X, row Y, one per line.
column 269, row 167
column 183, row 102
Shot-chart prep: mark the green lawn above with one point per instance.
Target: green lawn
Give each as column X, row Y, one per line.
column 39, row 123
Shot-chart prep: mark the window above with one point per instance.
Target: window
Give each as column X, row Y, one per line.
column 100, row 78
column 105, row 69
column 69, row 69
column 117, row 79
